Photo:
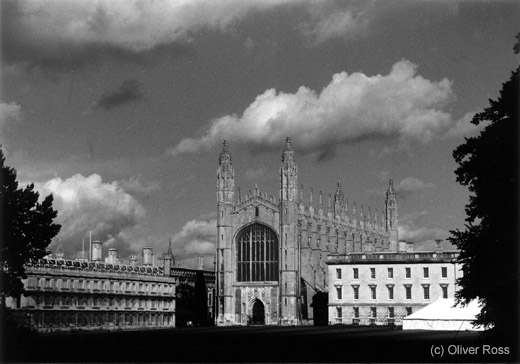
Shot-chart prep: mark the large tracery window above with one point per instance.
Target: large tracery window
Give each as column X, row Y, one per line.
column 257, row 254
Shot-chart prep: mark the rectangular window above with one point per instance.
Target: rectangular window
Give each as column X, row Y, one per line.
column 339, row 313
column 408, row 311
column 426, row 291
column 444, row 291
column 426, row 272
column 373, row 311
column 373, row 292
column 444, row 272
column 356, row 273
column 408, row 272
column 408, row 292
column 372, row 273
column 338, row 292
column 338, row 273
column 356, row 312
column 390, row 312
column 390, row 273
column 356, row 292
column 390, row 292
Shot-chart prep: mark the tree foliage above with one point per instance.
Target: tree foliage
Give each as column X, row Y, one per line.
column 488, row 166
column 26, row 229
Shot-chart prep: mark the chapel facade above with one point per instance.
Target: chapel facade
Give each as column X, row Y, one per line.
column 271, row 252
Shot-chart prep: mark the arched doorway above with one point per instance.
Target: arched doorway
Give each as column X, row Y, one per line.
column 258, row 313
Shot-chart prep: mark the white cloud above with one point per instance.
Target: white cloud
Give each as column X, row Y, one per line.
column 132, row 24
column 87, row 204
column 401, row 105
column 337, row 24
column 136, row 184
column 464, row 128
column 196, row 238
column 411, row 185
column 9, row 113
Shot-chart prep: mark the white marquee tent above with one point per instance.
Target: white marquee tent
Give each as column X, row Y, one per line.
column 442, row 315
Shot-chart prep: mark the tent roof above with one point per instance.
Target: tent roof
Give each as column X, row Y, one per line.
column 443, row 309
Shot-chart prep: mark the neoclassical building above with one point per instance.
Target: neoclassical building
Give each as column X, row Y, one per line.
column 91, row 294
column 272, row 252
column 381, row 288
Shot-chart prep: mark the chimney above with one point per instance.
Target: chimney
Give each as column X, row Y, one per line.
column 112, row 256
column 147, row 256
column 96, row 251
column 201, row 263
column 133, row 260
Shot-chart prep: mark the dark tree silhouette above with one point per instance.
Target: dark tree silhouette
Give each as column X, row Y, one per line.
column 201, row 300
column 184, row 305
column 488, row 166
column 26, row 229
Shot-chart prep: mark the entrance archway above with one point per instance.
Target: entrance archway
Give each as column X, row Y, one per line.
column 258, row 317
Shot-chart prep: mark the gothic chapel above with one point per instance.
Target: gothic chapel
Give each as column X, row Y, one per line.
column 271, row 253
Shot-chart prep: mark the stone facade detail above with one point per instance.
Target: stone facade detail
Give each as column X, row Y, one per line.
column 305, row 236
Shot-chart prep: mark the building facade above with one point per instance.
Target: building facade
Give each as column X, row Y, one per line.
column 67, row 295
column 271, row 252
column 381, row 288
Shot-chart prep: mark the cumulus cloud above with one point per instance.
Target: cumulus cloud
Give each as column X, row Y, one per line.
column 60, row 35
column 86, row 204
column 136, row 184
column 464, row 127
column 337, row 23
column 401, row 105
column 129, row 91
column 411, row 185
column 63, row 34
column 197, row 237
column 9, row 113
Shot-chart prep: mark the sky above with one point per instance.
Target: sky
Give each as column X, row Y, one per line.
column 119, row 108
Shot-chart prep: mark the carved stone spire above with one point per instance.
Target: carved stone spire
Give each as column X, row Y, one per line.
column 339, row 200
column 391, row 213
column 225, row 176
column 391, row 207
column 225, row 155
column 288, row 174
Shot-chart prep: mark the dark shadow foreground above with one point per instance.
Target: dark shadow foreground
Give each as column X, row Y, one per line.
column 256, row 344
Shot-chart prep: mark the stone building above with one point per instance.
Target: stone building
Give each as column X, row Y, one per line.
column 83, row 294
column 381, row 288
column 271, row 252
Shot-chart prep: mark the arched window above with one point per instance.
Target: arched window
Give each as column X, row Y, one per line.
column 257, row 254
